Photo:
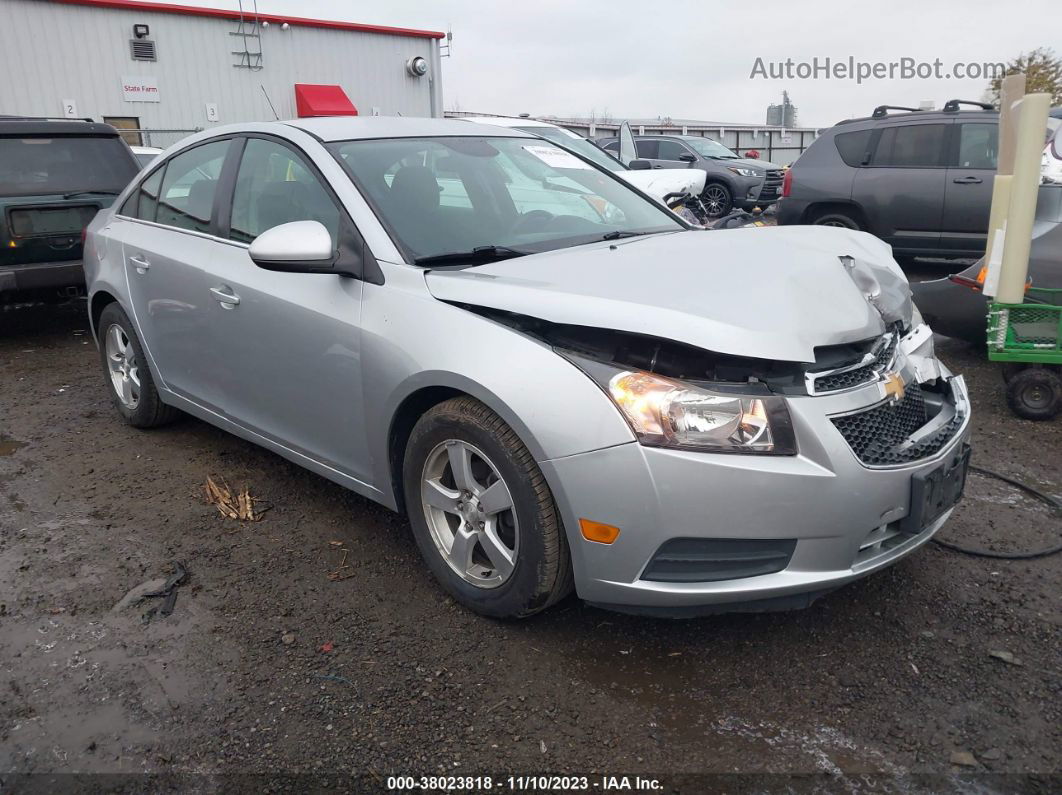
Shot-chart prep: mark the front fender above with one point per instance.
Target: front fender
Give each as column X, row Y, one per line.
column 412, row 341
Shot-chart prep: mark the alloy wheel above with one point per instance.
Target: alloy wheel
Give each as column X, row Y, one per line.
column 715, row 200
column 123, row 366
column 470, row 513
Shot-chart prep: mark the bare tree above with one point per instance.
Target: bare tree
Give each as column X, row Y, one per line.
column 1043, row 73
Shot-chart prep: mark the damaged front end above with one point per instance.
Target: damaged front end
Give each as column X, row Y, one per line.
column 677, row 395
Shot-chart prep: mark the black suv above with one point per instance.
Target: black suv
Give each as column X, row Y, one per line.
column 730, row 180
column 920, row 180
column 55, row 175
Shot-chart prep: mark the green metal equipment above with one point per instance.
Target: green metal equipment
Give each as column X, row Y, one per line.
column 1027, row 337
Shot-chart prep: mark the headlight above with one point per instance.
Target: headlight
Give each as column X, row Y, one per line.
column 744, row 172
column 664, row 412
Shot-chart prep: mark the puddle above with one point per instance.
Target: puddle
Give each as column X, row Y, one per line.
column 8, row 446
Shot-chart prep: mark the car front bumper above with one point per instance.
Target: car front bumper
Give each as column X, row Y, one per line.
column 843, row 516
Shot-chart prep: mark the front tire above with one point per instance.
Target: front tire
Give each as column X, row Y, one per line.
column 126, row 371
column 482, row 515
column 718, row 200
column 1035, row 394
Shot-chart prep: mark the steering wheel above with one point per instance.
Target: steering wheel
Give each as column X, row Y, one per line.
column 532, row 221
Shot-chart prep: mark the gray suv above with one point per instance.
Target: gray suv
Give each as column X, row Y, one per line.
column 919, row 180
column 731, row 181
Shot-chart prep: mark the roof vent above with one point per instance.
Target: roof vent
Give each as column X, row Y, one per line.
column 142, row 49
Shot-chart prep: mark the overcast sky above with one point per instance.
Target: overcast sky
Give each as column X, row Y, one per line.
column 693, row 59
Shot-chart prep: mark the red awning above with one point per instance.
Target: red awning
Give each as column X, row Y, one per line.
column 312, row 100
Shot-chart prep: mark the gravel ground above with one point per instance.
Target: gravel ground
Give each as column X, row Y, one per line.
column 940, row 673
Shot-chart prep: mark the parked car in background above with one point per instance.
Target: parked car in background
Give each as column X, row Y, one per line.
column 55, row 175
column 145, row 154
column 560, row 386
column 919, row 180
column 730, row 180
column 956, row 307
column 658, row 184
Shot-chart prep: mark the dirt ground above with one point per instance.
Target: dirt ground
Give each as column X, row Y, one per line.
column 941, row 673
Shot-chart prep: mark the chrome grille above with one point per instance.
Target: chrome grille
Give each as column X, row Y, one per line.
column 866, row 371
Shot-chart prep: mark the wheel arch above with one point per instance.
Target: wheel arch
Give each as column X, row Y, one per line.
column 850, row 208
column 97, row 303
column 419, row 397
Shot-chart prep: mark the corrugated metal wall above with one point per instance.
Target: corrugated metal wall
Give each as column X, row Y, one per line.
column 50, row 52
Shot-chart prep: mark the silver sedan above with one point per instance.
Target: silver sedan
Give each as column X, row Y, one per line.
column 559, row 382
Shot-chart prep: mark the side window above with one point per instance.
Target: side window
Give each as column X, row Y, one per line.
column 671, row 150
column 149, row 196
column 188, row 187
column 612, row 146
column 911, row 146
column 274, row 186
column 978, row 145
column 646, row 149
column 852, row 146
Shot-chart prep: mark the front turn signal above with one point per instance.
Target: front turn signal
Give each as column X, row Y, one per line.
column 598, row 531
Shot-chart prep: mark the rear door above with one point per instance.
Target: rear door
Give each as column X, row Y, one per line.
column 166, row 230
column 902, row 189
column 289, row 366
column 968, row 188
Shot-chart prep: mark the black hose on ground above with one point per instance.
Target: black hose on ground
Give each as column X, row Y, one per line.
column 985, row 553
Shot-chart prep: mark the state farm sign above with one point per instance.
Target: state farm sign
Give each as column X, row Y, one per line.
column 140, row 89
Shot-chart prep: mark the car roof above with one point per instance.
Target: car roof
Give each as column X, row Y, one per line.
column 934, row 115
column 24, row 125
column 346, row 128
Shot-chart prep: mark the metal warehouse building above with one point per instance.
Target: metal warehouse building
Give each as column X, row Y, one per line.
column 159, row 67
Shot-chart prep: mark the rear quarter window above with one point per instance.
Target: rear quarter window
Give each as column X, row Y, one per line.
column 852, row 146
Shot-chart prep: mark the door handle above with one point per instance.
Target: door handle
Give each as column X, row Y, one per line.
column 967, row 181
column 225, row 296
column 140, row 264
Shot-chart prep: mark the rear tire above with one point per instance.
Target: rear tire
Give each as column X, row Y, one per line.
column 1035, row 394
column 503, row 562
column 838, row 219
column 126, row 371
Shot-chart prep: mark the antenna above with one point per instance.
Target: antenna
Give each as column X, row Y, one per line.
column 275, row 116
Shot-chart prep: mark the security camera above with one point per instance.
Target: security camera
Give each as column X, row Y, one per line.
column 417, row 66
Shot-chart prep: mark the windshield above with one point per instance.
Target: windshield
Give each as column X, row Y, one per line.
column 580, row 146
column 64, row 164
column 456, row 194
column 709, row 148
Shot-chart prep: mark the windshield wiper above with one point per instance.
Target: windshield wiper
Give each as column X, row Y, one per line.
column 479, row 254
column 621, row 233
column 76, row 193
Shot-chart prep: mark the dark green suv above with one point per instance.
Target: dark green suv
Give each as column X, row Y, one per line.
column 54, row 177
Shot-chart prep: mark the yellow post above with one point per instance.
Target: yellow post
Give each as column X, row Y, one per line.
column 1024, row 188
column 1012, row 89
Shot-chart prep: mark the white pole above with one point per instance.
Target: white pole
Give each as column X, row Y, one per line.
column 1024, row 188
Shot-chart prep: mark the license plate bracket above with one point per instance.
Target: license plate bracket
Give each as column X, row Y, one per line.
column 936, row 491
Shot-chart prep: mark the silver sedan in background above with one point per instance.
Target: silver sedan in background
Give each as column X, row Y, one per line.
column 558, row 381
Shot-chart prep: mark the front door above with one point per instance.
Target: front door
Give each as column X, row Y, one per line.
column 290, row 343
column 968, row 189
column 902, row 189
column 165, row 233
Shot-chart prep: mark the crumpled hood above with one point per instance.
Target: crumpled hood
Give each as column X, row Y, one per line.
column 659, row 182
column 769, row 293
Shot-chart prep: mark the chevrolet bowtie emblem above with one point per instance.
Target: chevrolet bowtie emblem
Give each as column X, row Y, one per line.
column 894, row 389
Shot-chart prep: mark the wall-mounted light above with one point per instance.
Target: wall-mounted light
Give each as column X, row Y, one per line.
column 417, row 66
column 141, row 31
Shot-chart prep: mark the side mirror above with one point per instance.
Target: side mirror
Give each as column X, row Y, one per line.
column 639, row 165
column 687, row 158
column 296, row 247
